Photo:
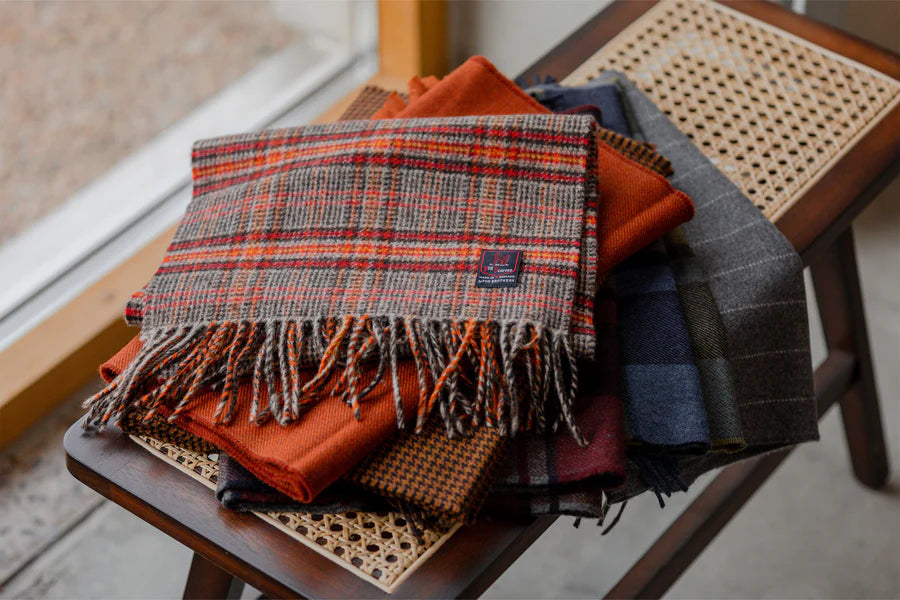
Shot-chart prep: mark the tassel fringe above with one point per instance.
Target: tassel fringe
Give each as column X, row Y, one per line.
column 661, row 473
column 469, row 372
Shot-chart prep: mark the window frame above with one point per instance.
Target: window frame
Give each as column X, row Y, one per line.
column 61, row 345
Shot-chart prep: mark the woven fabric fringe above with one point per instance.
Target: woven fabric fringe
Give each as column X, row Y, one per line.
column 470, row 373
column 306, row 252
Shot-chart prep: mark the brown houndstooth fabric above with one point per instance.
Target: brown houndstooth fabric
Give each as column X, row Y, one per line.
column 160, row 429
column 639, row 152
column 369, row 100
column 402, row 469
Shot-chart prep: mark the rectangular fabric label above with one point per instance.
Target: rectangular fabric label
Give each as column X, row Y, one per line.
column 498, row 269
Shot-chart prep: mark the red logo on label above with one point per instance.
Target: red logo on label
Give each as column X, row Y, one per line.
column 498, row 268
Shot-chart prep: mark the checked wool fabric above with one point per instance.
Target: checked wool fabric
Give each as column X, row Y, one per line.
column 708, row 342
column 543, row 465
column 332, row 244
column 638, row 205
column 133, row 423
column 661, row 384
column 661, row 387
column 700, row 315
column 441, row 476
column 369, row 100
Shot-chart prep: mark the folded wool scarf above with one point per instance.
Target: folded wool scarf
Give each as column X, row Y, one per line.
column 701, row 316
column 755, row 278
column 661, row 385
column 332, row 244
column 638, row 207
column 299, row 460
column 238, row 489
column 536, row 464
column 559, row 98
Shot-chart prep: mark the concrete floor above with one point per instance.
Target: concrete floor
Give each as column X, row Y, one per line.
column 810, row 532
column 85, row 84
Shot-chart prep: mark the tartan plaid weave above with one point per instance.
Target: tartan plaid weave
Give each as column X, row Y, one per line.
column 331, row 244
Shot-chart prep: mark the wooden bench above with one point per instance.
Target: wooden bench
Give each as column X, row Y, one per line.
column 231, row 548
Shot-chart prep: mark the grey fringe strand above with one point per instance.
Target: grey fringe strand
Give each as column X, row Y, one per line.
column 470, row 373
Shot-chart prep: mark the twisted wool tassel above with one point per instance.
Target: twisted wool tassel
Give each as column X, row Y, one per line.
column 470, row 372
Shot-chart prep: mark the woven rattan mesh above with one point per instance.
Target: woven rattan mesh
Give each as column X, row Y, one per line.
column 381, row 548
column 769, row 109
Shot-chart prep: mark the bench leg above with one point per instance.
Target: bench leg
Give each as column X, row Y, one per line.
column 836, row 280
column 684, row 540
column 206, row 580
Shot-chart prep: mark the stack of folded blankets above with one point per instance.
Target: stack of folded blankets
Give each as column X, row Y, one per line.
column 477, row 299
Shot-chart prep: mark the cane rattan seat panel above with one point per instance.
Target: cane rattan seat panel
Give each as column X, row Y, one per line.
column 772, row 111
column 381, row 548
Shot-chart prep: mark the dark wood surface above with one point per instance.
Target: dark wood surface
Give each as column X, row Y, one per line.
column 464, row 567
column 836, row 279
column 206, row 580
column 259, row 554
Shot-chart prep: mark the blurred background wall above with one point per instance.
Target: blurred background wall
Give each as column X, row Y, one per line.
column 513, row 33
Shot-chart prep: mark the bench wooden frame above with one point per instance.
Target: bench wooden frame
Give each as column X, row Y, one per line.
column 231, row 548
